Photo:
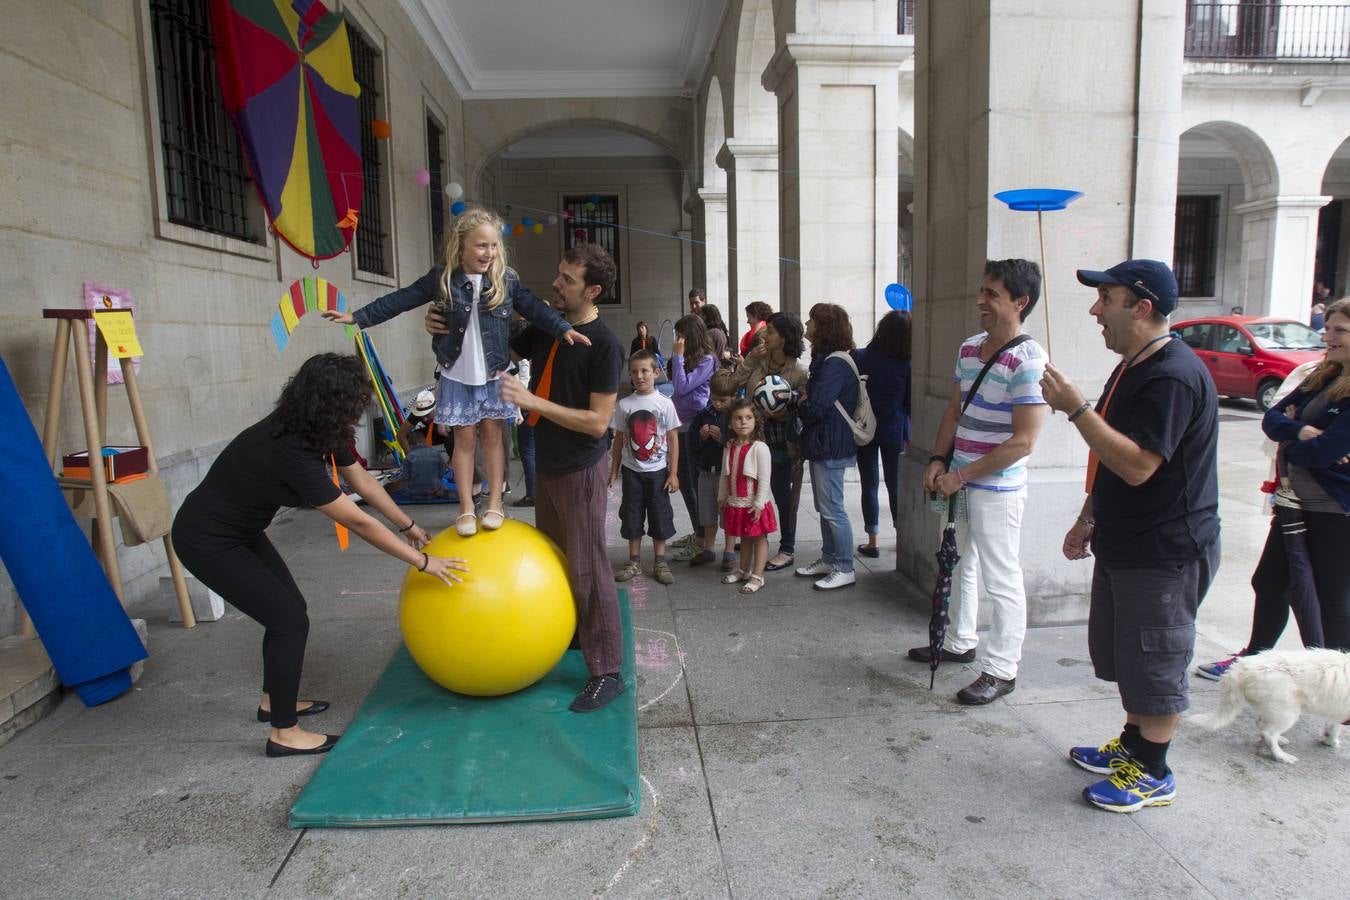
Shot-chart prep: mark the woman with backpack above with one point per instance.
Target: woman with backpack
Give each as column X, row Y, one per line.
column 827, row 440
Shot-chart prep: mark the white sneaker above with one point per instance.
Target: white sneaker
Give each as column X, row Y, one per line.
column 815, row 570
column 834, row 580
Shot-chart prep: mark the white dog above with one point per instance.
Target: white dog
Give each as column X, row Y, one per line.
column 1280, row 686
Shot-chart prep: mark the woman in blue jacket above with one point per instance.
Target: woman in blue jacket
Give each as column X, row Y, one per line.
column 885, row 362
column 827, row 441
column 1312, row 426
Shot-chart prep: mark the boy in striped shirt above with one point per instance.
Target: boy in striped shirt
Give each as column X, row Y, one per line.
column 988, row 441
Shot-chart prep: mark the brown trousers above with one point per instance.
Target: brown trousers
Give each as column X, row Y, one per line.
column 570, row 510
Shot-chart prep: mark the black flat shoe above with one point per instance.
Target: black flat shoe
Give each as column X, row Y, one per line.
column 274, row 749
column 777, row 567
column 315, row 707
column 869, row 552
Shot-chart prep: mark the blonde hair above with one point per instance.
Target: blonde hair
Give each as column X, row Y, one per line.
column 1328, row 372
column 464, row 224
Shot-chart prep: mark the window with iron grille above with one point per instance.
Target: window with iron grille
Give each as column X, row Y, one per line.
column 594, row 219
column 435, row 159
column 206, row 180
column 371, row 236
column 1195, row 247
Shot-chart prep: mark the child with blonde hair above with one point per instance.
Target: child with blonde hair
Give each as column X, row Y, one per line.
column 477, row 293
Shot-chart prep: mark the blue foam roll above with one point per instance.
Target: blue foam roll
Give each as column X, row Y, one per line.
column 87, row 634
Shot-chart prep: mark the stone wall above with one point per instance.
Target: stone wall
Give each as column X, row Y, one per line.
column 79, row 201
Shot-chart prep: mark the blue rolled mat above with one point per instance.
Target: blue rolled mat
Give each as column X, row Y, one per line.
column 88, row 636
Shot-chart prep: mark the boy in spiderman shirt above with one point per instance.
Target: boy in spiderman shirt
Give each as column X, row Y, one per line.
column 642, row 421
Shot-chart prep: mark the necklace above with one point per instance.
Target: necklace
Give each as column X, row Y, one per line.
column 588, row 318
column 1140, row 352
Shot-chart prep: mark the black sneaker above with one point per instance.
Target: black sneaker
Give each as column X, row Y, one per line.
column 923, row 654
column 598, row 692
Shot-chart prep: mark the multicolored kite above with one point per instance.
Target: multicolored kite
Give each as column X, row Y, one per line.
column 300, row 298
column 285, row 71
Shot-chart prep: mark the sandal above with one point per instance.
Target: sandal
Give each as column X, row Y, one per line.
column 776, row 567
column 754, row 583
column 493, row 519
column 466, row 525
column 738, row 575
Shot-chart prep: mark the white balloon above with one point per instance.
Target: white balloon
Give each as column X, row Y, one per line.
column 454, row 190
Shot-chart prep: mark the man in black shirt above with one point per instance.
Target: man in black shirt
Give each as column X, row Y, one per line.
column 1151, row 519
column 570, row 403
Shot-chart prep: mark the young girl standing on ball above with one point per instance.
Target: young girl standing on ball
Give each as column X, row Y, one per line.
column 747, row 511
column 477, row 294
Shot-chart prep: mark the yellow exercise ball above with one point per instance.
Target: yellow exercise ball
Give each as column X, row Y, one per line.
column 502, row 629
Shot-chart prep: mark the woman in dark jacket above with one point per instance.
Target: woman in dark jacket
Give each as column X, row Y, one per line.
column 885, row 362
column 827, row 441
column 1312, row 426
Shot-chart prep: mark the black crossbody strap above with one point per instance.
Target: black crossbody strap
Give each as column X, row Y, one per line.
column 975, row 385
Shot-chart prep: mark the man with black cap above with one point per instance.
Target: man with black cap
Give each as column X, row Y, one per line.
column 1150, row 518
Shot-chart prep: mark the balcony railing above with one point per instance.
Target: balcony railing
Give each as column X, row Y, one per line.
column 1270, row 31
column 906, row 25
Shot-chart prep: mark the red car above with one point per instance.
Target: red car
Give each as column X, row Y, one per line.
column 1248, row 356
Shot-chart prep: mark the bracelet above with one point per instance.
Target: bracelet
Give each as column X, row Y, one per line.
column 961, row 475
column 426, row 560
column 935, row 458
column 409, row 527
column 1073, row 416
column 1089, row 522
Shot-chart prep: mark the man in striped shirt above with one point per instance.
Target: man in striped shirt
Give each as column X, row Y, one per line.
column 987, row 437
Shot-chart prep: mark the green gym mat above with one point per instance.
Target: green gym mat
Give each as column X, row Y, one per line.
column 417, row 754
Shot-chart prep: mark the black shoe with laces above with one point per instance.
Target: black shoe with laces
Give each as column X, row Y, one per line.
column 598, row 692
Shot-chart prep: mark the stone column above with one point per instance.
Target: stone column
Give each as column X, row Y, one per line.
column 715, row 246
column 996, row 111
column 752, row 222
column 838, row 130
column 1279, row 247
column 685, row 237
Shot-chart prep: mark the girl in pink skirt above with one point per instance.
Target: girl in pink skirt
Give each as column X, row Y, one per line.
column 743, row 495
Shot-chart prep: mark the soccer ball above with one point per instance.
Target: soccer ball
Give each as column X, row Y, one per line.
column 773, row 393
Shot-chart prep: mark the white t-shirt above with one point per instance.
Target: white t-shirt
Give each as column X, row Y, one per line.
column 471, row 366
column 645, row 419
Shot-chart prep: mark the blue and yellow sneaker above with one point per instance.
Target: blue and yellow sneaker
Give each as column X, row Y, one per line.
column 1102, row 760
column 1131, row 788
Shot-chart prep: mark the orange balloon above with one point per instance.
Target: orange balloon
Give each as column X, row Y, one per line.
column 381, row 129
column 519, row 229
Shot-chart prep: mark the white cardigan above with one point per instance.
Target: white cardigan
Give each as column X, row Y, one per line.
column 757, row 466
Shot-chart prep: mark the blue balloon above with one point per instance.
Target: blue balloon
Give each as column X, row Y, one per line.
column 506, row 228
column 899, row 297
column 458, row 207
column 527, row 222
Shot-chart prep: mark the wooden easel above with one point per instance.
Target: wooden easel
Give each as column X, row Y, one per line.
column 94, row 405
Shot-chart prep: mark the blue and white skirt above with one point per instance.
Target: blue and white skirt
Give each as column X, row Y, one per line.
column 469, row 404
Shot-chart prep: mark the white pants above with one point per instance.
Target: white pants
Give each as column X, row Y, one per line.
column 989, row 544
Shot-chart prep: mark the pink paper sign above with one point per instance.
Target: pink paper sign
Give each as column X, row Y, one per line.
column 99, row 298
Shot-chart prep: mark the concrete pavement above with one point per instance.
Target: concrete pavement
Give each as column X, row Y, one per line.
column 787, row 749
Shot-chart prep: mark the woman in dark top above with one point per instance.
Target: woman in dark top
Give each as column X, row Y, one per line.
column 1312, row 426
column 643, row 341
column 283, row 460
column 885, row 362
column 717, row 332
column 827, row 441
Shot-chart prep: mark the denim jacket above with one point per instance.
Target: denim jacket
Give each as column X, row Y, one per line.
column 495, row 323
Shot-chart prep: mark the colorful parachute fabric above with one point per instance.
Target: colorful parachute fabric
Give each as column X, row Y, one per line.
column 285, row 70
column 301, row 297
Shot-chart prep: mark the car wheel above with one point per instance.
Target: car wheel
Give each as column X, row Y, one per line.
column 1265, row 393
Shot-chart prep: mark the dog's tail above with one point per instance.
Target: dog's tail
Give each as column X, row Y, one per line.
column 1231, row 701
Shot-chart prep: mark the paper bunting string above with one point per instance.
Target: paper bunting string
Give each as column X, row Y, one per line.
column 302, row 296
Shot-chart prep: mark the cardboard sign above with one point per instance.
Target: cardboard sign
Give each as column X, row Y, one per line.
column 119, row 331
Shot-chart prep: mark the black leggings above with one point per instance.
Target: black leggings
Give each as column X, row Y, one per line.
column 785, row 483
column 253, row 579
column 1328, row 538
